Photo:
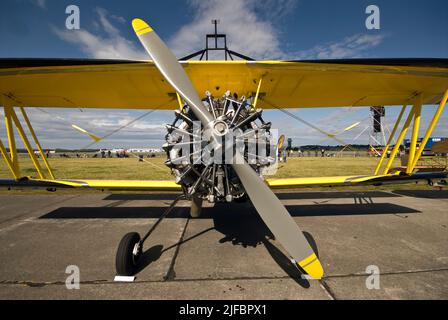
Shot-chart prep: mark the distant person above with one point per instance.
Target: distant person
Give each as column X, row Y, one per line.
column 47, row 154
column 109, row 154
column 322, row 152
column 103, row 154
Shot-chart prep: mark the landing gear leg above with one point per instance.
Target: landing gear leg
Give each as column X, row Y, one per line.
column 131, row 246
column 196, row 207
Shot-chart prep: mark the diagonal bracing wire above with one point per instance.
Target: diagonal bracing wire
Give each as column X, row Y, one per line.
column 121, row 127
column 143, row 115
column 292, row 115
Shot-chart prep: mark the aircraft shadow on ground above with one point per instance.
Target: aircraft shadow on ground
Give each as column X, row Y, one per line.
column 280, row 195
column 246, row 230
column 427, row 194
column 238, row 223
column 225, row 209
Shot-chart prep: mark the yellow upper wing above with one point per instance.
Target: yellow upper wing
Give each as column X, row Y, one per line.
column 286, row 84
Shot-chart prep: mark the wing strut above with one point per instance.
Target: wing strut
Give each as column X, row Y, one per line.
column 392, row 134
column 11, row 158
column 414, row 152
column 433, row 123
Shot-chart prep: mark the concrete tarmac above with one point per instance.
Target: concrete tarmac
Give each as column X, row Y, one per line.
column 228, row 253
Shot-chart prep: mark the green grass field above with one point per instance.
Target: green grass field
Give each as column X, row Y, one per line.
column 154, row 169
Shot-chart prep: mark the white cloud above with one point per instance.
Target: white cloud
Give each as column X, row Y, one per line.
column 110, row 46
column 54, row 131
column 105, row 23
column 250, row 26
column 247, row 33
column 350, row 47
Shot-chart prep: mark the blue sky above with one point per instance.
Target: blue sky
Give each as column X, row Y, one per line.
column 263, row 29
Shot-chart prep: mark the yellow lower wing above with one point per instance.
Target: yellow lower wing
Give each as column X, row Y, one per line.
column 170, row 185
column 162, row 185
column 320, row 181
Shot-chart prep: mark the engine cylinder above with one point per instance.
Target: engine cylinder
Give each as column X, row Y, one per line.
column 201, row 159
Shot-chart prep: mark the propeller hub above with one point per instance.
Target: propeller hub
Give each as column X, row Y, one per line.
column 220, row 128
column 202, row 157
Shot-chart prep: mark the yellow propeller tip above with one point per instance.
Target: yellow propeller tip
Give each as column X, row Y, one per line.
column 315, row 270
column 140, row 26
column 312, row 266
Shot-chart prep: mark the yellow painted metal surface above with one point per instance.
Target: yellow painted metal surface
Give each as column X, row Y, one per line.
column 286, row 84
column 11, row 140
column 350, row 127
column 8, row 161
column 318, row 181
column 91, row 135
column 118, row 184
column 399, row 140
column 391, row 137
column 312, row 266
column 414, row 137
column 36, row 141
column 27, row 144
column 179, row 101
column 141, row 27
column 169, row 185
column 431, row 127
column 257, row 93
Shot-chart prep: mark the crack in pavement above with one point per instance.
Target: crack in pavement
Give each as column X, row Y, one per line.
column 322, row 281
column 386, row 273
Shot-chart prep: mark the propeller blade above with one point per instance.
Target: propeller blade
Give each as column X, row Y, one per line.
column 171, row 69
column 271, row 210
column 279, row 221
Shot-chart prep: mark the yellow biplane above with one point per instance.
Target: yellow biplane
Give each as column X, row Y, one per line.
column 166, row 83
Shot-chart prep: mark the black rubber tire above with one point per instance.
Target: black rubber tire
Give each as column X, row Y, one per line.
column 125, row 261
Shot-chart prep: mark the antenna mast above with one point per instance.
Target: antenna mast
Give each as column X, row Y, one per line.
column 216, row 45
